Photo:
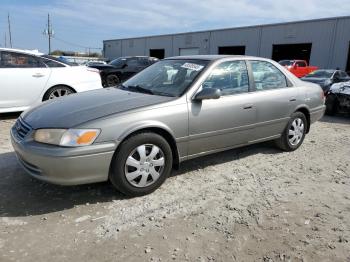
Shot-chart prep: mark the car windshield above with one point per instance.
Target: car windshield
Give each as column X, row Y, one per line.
column 119, row 62
column 286, row 62
column 167, row 77
column 321, row 74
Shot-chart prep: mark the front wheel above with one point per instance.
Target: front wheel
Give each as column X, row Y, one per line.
column 141, row 165
column 331, row 105
column 294, row 133
column 112, row 80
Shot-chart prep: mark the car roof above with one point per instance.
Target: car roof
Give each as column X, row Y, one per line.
column 214, row 57
column 139, row 56
column 23, row 51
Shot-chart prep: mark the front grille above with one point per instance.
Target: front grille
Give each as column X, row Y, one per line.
column 22, row 128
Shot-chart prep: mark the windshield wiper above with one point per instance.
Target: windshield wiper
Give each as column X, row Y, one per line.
column 138, row 88
column 163, row 94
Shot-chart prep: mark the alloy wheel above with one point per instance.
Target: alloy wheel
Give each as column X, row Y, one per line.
column 59, row 92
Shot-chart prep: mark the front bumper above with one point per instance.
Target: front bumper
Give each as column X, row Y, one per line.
column 63, row 165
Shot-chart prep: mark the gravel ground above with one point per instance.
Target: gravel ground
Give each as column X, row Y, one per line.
column 250, row 204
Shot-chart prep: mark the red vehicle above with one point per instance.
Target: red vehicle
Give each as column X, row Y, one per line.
column 300, row 68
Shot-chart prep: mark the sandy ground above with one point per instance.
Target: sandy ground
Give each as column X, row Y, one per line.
column 250, row 204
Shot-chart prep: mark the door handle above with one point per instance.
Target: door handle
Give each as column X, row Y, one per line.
column 248, row 106
column 292, row 99
column 38, row 75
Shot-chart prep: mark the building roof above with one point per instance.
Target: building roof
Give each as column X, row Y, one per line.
column 233, row 28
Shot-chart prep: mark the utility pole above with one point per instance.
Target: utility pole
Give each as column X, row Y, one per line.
column 9, row 24
column 49, row 31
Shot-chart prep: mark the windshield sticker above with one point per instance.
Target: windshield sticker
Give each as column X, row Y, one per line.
column 191, row 66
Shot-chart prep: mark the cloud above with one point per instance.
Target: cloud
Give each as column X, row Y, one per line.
column 88, row 22
column 160, row 15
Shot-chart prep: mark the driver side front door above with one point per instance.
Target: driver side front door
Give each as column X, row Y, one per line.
column 226, row 122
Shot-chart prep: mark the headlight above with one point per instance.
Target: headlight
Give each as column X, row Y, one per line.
column 66, row 137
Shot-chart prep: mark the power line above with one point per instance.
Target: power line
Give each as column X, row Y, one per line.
column 74, row 44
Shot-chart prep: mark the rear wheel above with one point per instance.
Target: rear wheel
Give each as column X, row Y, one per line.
column 112, row 80
column 57, row 91
column 294, row 133
column 141, row 165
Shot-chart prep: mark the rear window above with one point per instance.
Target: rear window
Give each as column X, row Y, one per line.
column 51, row 63
column 63, row 61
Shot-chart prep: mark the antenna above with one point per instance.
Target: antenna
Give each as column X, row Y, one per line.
column 9, row 25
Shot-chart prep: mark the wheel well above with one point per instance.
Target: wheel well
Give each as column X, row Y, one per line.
column 168, row 137
column 306, row 112
column 71, row 88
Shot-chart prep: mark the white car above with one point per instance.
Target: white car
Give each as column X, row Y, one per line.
column 29, row 77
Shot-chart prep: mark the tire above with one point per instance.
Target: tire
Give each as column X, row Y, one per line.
column 331, row 105
column 57, row 91
column 112, row 80
column 134, row 176
column 289, row 142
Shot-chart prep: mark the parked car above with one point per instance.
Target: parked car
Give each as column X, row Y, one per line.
column 326, row 78
column 134, row 134
column 122, row 68
column 28, row 78
column 338, row 98
column 300, row 68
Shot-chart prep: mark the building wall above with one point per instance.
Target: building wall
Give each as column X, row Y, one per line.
column 160, row 42
column 318, row 33
column 329, row 37
column 248, row 37
column 341, row 44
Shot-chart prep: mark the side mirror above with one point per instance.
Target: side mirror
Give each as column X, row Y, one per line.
column 295, row 66
column 125, row 65
column 208, row 93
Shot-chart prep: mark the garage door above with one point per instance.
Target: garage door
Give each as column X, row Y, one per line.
column 189, row 51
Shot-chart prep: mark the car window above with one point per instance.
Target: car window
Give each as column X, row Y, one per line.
column 143, row 61
column 17, row 60
column 267, row 76
column 132, row 62
column 51, row 63
column 230, row 77
column 343, row 74
column 119, row 62
column 301, row 64
column 336, row 74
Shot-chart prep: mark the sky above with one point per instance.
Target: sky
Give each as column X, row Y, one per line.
column 82, row 24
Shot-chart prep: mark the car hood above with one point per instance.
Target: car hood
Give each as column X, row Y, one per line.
column 341, row 88
column 103, row 66
column 70, row 111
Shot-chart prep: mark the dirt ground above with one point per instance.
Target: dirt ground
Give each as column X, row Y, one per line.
column 250, row 204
